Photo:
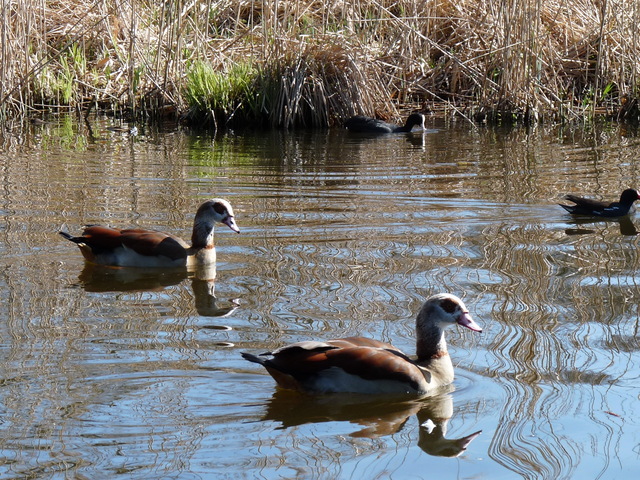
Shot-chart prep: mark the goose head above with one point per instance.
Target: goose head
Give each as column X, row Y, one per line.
column 209, row 213
column 439, row 312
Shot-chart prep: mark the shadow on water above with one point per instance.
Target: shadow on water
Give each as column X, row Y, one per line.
column 380, row 416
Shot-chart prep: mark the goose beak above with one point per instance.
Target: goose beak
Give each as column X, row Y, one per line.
column 466, row 321
column 231, row 223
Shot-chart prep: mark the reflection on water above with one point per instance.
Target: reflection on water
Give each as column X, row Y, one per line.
column 627, row 227
column 110, row 372
column 379, row 415
column 98, row 278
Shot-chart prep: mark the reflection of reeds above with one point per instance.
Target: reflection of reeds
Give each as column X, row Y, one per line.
column 314, row 63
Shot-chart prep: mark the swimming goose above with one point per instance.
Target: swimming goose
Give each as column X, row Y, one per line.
column 363, row 365
column 587, row 206
column 136, row 247
column 362, row 124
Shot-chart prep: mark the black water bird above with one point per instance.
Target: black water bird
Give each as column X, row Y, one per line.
column 595, row 208
column 362, row 124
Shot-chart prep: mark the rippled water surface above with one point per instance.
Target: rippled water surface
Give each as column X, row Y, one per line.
column 137, row 374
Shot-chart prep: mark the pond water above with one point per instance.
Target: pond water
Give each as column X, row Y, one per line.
column 134, row 374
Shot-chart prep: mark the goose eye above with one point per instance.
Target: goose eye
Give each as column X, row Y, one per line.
column 449, row 305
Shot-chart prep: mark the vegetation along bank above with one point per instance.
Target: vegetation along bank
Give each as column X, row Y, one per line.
column 314, row 63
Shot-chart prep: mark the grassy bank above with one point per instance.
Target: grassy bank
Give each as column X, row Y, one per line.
column 313, row 63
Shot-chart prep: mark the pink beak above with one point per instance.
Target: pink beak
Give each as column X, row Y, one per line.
column 466, row 321
column 231, row 223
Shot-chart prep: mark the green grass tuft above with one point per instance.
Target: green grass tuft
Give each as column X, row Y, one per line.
column 219, row 93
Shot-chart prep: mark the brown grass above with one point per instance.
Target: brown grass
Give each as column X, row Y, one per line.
column 319, row 62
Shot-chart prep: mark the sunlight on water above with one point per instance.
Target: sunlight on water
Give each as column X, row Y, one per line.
column 138, row 374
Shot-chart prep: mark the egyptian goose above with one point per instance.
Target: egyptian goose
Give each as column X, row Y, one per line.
column 363, row 365
column 148, row 248
column 586, row 206
column 362, row 124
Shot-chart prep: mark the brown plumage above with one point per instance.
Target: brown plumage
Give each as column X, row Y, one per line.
column 357, row 364
column 135, row 247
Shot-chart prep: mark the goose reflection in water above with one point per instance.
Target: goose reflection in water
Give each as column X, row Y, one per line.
column 98, row 278
column 379, row 416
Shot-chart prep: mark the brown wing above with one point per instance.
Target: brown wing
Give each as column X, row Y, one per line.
column 369, row 359
column 144, row 242
column 362, row 342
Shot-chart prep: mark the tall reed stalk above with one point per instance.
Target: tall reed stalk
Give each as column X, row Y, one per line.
column 315, row 63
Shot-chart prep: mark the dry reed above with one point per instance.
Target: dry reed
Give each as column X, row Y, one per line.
column 315, row 63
